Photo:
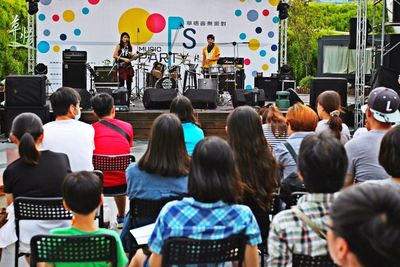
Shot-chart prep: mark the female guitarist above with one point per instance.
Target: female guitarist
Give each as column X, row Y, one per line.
column 123, row 53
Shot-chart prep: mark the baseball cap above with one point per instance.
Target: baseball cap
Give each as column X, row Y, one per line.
column 384, row 104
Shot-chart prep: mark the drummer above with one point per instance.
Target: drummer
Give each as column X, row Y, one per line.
column 211, row 53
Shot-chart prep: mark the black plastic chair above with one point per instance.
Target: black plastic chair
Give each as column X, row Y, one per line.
column 28, row 208
column 299, row 260
column 73, row 248
column 294, row 197
column 176, row 251
column 147, row 210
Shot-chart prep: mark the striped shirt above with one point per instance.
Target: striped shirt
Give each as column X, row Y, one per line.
column 289, row 235
column 198, row 220
column 271, row 138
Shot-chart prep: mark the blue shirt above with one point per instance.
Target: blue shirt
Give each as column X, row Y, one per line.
column 283, row 156
column 144, row 185
column 193, row 134
column 198, row 220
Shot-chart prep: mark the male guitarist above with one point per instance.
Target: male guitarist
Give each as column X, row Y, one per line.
column 123, row 53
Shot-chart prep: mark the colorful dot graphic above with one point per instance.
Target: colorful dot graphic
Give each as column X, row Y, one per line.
column 155, row 23
column 63, row 37
column 93, row 2
column 85, row 11
column 73, row 48
column 263, row 53
column 242, row 36
column 275, row 20
column 252, row 15
column 258, row 30
column 274, row 47
column 248, row 87
column 258, row 1
column 135, row 19
column 56, row 48
column 46, row 32
column 265, row 67
column 43, row 47
column 56, row 18
column 238, row 12
column 247, row 61
column 271, row 34
column 265, row 12
column 254, row 44
column 69, row 15
column 254, row 73
column 274, row 2
column 272, row 60
column 41, row 17
column 77, row 32
column 45, row 2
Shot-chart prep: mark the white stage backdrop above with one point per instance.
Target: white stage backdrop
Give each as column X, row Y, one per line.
column 95, row 26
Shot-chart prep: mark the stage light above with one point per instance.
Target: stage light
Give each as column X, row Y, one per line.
column 283, row 10
column 32, row 6
column 40, row 69
column 285, row 72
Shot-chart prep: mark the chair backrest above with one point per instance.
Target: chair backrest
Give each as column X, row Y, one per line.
column 318, row 261
column 112, row 162
column 73, row 248
column 294, row 197
column 149, row 209
column 275, row 205
column 30, row 208
column 177, row 251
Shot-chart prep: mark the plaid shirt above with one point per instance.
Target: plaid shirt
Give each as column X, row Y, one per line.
column 193, row 219
column 289, row 235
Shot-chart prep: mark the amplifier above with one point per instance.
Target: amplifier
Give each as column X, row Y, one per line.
column 238, row 62
column 104, row 77
column 74, row 56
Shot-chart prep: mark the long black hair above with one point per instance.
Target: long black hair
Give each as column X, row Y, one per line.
column 122, row 44
column 27, row 128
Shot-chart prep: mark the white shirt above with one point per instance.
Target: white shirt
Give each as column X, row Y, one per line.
column 73, row 138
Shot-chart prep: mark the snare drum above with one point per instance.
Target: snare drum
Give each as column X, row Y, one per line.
column 215, row 70
column 158, row 70
column 175, row 72
column 166, row 83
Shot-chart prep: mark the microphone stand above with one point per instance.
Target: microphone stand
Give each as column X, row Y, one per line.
column 137, row 88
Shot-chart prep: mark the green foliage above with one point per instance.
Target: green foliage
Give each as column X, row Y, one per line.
column 306, row 81
column 12, row 60
column 308, row 22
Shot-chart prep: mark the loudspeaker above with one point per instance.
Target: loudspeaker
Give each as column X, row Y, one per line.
column 202, row 98
column 392, row 59
column 270, row 85
column 74, row 74
column 353, row 32
column 25, row 90
column 209, row 84
column 396, row 11
column 155, row 98
column 386, row 77
column 85, row 98
column 240, row 95
column 321, row 84
column 12, row 112
column 120, row 96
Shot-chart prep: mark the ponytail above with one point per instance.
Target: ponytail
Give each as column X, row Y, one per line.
column 335, row 123
column 27, row 149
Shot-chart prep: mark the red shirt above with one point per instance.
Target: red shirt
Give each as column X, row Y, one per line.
column 110, row 142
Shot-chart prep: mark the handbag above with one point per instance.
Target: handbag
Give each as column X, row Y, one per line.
column 310, row 223
column 117, row 129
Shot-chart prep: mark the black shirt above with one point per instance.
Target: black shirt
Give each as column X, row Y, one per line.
column 41, row 180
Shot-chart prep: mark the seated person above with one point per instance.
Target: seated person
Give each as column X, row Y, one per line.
column 274, row 125
column 211, row 211
column 322, row 165
column 161, row 172
column 109, row 141
column 67, row 134
column 82, row 195
column 34, row 174
column 364, row 229
column 182, row 107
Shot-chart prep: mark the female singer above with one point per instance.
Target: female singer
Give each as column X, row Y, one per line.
column 123, row 54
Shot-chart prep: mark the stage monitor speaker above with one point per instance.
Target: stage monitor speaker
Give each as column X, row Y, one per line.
column 239, row 98
column 270, row 85
column 202, row 98
column 208, row 84
column 120, row 96
column 155, row 98
column 386, row 77
column 353, row 32
column 12, row 112
column 85, row 98
column 25, row 90
column 74, row 74
column 321, row 84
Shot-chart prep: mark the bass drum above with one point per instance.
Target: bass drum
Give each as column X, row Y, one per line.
column 166, row 83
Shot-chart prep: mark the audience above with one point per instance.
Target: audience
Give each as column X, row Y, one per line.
column 211, row 211
column 112, row 137
column 301, row 121
column 35, row 174
column 322, row 164
column 162, row 171
column 274, row 125
column 381, row 111
column 255, row 163
column 364, row 229
column 68, row 135
column 182, row 107
column 329, row 108
column 82, row 195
